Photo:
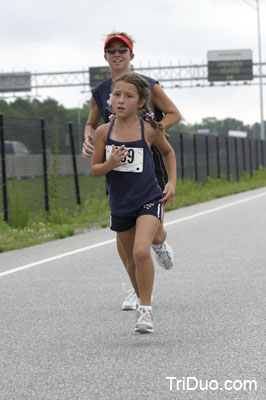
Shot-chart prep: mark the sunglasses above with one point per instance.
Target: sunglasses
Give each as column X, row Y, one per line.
column 112, row 50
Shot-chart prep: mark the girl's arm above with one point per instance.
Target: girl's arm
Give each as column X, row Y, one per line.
column 165, row 104
column 159, row 140
column 98, row 165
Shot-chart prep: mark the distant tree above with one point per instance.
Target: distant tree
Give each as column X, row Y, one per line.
column 49, row 109
column 3, row 107
column 221, row 127
column 256, row 130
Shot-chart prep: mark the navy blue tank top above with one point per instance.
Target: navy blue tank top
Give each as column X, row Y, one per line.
column 129, row 191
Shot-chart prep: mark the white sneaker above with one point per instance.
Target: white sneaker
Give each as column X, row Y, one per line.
column 164, row 255
column 144, row 322
column 130, row 302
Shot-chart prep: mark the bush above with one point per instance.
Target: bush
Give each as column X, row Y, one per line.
column 19, row 208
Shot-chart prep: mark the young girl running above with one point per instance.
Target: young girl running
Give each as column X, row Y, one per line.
column 122, row 152
column 119, row 53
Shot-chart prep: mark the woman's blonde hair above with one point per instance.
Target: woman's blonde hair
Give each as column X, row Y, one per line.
column 129, row 37
column 143, row 90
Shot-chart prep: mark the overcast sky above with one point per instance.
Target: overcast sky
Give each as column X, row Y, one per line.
column 56, row 35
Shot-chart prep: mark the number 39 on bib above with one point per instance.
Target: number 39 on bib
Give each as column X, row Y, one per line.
column 134, row 159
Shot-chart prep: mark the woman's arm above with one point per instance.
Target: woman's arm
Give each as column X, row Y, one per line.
column 91, row 125
column 159, row 140
column 165, row 104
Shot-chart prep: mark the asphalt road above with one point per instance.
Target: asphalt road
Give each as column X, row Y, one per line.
column 63, row 334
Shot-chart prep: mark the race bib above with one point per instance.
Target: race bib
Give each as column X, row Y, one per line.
column 134, row 159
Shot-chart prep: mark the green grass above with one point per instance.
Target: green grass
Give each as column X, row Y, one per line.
column 189, row 192
column 94, row 212
column 32, row 190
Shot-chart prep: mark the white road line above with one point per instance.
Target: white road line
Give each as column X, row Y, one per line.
column 70, row 253
column 46, row 260
column 234, row 203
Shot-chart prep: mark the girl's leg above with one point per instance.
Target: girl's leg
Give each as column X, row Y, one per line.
column 146, row 228
column 125, row 245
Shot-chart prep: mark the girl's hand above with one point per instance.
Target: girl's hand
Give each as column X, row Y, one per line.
column 169, row 194
column 118, row 156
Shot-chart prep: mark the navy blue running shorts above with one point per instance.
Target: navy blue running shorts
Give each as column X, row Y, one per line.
column 123, row 223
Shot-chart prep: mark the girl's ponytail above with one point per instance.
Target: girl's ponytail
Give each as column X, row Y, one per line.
column 149, row 117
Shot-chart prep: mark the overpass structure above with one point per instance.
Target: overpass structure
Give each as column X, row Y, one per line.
column 170, row 77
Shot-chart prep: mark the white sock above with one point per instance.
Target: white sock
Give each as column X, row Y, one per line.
column 158, row 246
column 149, row 308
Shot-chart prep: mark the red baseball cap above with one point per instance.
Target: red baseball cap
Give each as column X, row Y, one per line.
column 119, row 37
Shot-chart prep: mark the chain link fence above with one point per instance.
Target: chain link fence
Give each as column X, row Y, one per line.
column 42, row 166
column 199, row 156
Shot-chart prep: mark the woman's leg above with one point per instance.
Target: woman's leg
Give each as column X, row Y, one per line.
column 125, row 245
column 160, row 235
column 146, row 228
column 164, row 253
column 121, row 251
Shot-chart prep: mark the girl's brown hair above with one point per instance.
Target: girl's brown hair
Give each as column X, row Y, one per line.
column 143, row 90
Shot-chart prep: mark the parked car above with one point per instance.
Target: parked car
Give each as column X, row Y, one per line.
column 15, row 147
